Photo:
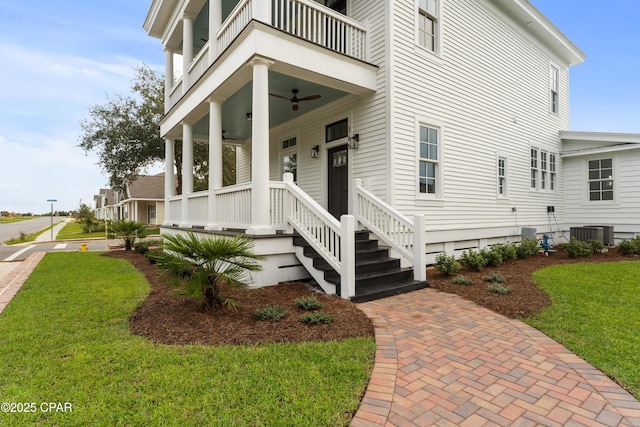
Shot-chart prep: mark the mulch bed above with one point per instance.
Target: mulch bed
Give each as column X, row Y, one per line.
column 525, row 298
column 172, row 319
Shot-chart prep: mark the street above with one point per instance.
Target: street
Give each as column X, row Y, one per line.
column 20, row 252
column 9, row 231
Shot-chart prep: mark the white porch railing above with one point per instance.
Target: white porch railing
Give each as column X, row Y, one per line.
column 407, row 237
column 175, row 210
column 306, row 19
column 333, row 240
column 199, row 65
column 233, row 206
column 198, row 208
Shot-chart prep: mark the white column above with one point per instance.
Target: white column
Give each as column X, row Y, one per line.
column 215, row 157
column 215, row 22
column 260, row 221
column 187, row 170
column 168, row 77
column 262, row 11
column 169, row 178
column 187, row 50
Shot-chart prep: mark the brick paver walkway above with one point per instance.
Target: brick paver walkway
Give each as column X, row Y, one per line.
column 10, row 284
column 445, row 361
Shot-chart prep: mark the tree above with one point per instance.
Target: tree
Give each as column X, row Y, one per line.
column 128, row 232
column 87, row 217
column 204, row 264
column 124, row 134
column 124, row 131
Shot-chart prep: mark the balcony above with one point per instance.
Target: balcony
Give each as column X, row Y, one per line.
column 304, row 19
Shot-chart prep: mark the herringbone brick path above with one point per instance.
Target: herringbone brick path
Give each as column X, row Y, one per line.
column 445, row 361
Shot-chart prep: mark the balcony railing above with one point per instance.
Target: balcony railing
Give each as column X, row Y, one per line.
column 306, row 19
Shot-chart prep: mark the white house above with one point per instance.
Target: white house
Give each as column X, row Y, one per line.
column 433, row 124
column 142, row 200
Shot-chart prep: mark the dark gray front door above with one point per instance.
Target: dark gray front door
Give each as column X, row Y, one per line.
column 338, row 181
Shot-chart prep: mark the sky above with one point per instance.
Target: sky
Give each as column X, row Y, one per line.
column 60, row 57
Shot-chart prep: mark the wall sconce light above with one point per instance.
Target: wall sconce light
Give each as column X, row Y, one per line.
column 353, row 141
column 249, row 116
column 315, row 150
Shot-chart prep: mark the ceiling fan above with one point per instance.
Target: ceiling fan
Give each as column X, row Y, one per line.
column 295, row 100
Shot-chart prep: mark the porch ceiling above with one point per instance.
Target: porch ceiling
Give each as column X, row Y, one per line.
column 235, row 109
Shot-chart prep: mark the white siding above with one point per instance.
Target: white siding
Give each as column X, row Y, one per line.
column 623, row 213
column 490, row 91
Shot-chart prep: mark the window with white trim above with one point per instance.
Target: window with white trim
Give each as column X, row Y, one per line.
column 600, row 179
column 554, row 84
column 428, row 24
column 502, row 177
column 543, row 170
column 428, row 161
column 290, row 157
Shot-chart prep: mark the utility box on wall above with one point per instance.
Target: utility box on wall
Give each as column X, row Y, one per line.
column 529, row 233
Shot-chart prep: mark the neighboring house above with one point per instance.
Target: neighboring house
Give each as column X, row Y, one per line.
column 104, row 201
column 142, row 201
column 435, row 124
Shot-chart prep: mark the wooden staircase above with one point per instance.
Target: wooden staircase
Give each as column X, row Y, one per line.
column 377, row 274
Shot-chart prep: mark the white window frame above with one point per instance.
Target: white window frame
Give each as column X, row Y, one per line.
column 543, row 174
column 502, row 177
column 437, row 162
column 612, row 178
column 288, row 151
column 554, row 89
column 429, row 10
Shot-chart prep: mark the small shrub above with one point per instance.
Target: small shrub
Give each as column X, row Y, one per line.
column 271, row 312
column 473, row 260
column 509, row 251
column 23, row 236
column 577, row 248
column 493, row 255
column 629, row 247
column 461, row 280
column 596, row 246
column 308, row 303
column 499, row 288
column 494, row 278
column 527, row 248
column 141, row 248
column 447, row 265
column 316, row 317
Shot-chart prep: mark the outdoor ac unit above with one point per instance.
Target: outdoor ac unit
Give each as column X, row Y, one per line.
column 529, row 233
column 587, row 233
column 607, row 234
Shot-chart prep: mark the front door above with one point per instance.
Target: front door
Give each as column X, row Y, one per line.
column 338, row 181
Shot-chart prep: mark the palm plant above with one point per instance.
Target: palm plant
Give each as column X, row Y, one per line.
column 202, row 265
column 128, row 232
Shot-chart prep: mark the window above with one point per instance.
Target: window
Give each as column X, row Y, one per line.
column 554, row 84
column 428, row 24
column 290, row 157
column 339, row 6
column 543, row 170
column 502, row 177
column 337, row 130
column 428, row 160
column 600, row 179
column 552, row 172
column 534, row 168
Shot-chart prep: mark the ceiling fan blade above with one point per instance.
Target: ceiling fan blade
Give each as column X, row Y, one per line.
column 310, row 98
column 280, row 96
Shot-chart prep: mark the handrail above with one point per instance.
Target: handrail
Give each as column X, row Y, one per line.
column 384, row 221
column 315, row 225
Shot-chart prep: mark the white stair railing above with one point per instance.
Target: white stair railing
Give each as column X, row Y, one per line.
column 333, row 240
column 407, row 237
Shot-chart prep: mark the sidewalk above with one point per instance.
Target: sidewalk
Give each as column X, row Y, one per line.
column 46, row 236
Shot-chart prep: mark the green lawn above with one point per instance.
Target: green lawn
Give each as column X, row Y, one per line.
column 595, row 313
column 64, row 338
column 75, row 230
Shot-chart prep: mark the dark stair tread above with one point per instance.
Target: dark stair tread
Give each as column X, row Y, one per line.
column 364, row 279
column 385, row 290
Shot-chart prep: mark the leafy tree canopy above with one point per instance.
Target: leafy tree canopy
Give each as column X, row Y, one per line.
column 124, row 131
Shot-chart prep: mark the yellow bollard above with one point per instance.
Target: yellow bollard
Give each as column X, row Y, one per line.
column 83, row 247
